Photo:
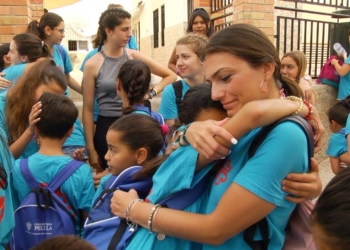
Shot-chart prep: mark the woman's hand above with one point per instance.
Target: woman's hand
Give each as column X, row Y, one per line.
column 78, row 154
column 201, row 136
column 4, row 83
column 98, row 176
column 305, row 186
column 121, row 200
column 33, row 116
column 95, row 161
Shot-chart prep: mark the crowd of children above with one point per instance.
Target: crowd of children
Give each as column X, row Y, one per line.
column 192, row 182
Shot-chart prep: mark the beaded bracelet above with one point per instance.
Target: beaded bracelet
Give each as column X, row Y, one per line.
column 128, row 208
column 150, row 218
column 295, row 98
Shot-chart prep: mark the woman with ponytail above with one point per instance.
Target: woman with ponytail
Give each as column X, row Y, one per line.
column 243, row 67
column 100, row 78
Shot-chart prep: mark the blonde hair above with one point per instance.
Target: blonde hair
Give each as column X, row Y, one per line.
column 197, row 42
column 300, row 60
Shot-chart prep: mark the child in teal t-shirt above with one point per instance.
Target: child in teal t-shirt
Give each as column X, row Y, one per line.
column 337, row 116
column 56, row 124
column 344, row 72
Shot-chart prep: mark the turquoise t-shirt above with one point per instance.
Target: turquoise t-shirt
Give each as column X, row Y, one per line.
column 167, row 105
column 100, row 188
column 12, row 74
column 337, row 144
column 64, row 65
column 262, row 175
column 344, row 84
column 6, row 207
column 175, row 174
column 77, row 138
column 347, row 127
column 77, row 191
column 87, row 57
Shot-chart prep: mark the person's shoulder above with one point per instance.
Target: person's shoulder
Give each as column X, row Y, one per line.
column 94, row 61
column 91, row 53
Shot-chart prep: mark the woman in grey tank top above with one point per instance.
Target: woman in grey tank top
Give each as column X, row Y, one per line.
column 100, row 78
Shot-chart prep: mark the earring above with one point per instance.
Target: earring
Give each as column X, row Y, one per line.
column 263, row 90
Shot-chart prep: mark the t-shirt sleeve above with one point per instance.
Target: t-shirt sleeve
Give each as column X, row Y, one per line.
column 84, row 196
column 335, row 146
column 284, row 151
column 67, row 64
column 167, row 106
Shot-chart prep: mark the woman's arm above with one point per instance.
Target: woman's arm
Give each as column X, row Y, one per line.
column 305, row 85
column 18, row 146
column 342, row 70
column 73, row 84
column 172, row 62
column 89, row 80
column 157, row 69
column 223, row 223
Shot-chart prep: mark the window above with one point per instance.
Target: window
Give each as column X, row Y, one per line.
column 155, row 29
column 77, row 45
column 163, row 24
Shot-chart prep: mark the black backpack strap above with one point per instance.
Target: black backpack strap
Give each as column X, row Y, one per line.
column 178, row 93
column 117, row 235
column 262, row 225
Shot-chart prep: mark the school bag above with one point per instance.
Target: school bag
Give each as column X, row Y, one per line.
column 298, row 231
column 328, row 74
column 42, row 214
column 106, row 231
column 148, row 111
column 178, row 93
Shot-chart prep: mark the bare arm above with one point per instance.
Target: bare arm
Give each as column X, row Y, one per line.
column 335, row 164
column 157, row 69
column 73, row 84
column 172, row 62
column 89, row 80
column 346, row 156
column 212, row 229
column 342, row 70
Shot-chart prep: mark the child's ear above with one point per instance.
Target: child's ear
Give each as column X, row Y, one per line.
column 70, row 131
column 141, row 155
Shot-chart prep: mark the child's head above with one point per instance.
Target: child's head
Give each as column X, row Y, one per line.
column 43, row 76
column 338, row 114
column 58, row 114
column 132, row 140
column 189, row 55
column 64, row 242
column 4, row 59
column 293, row 65
column 115, row 26
column 198, row 105
column 331, row 215
column 133, row 83
column 25, row 48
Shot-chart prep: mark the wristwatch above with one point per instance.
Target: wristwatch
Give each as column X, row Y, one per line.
column 152, row 92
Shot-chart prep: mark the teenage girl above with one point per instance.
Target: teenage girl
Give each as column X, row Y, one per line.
column 21, row 102
column 199, row 23
column 189, row 50
column 100, row 76
column 294, row 66
column 344, row 72
column 337, row 116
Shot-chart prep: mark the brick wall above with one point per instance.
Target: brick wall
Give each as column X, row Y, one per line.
column 15, row 16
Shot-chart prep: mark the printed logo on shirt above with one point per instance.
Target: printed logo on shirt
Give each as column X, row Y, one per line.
column 2, row 207
column 222, row 176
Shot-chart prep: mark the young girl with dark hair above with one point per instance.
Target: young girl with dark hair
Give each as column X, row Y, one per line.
column 337, row 116
column 100, row 76
column 4, row 59
column 198, row 23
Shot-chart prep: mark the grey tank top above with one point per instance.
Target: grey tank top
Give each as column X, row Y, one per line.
column 109, row 103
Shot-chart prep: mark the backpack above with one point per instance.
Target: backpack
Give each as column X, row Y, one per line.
column 178, row 93
column 328, row 74
column 107, row 231
column 298, row 231
column 42, row 214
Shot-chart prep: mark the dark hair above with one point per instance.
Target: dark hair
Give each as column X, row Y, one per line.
column 20, row 97
column 4, row 50
column 5, row 160
column 110, row 18
column 196, row 99
column 206, row 18
column 331, row 213
column 64, row 242
column 339, row 112
column 135, row 78
column 58, row 114
column 253, row 46
column 140, row 131
column 31, row 46
column 49, row 19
